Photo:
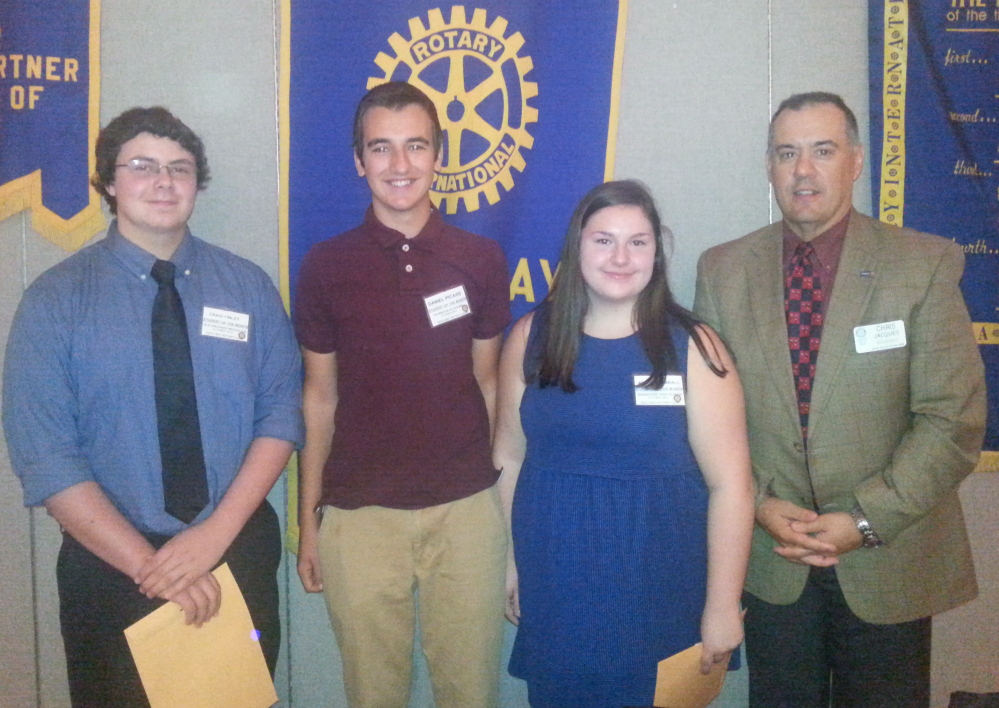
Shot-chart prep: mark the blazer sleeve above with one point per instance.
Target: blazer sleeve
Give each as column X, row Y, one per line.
column 947, row 408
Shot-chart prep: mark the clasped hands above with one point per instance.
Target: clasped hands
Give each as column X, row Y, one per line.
column 805, row 536
column 181, row 571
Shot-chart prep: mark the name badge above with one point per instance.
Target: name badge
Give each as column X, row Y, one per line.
column 447, row 305
column 225, row 324
column 671, row 394
column 877, row 337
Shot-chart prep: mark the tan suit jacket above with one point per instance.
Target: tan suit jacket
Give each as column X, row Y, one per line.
column 895, row 430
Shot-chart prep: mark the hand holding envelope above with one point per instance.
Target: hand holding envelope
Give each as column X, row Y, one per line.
column 217, row 665
column 680, row 683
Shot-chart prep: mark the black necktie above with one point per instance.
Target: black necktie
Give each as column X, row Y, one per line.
column 185, row 484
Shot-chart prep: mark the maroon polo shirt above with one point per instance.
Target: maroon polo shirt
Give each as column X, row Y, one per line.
column 411, row 425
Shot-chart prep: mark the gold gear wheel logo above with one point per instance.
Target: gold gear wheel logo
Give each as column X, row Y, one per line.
column 476, row 80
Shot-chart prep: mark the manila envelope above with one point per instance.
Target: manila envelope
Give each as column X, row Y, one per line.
column 680, row 683
column 217, row 665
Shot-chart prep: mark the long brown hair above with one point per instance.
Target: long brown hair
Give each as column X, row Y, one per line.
column 564, row 309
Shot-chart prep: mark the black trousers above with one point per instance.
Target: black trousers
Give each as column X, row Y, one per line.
column 97, row 603
column 816, row 653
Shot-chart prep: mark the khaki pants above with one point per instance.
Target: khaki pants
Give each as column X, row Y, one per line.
column 373, row 561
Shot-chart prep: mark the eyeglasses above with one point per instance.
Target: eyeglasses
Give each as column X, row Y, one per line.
column 148, row 169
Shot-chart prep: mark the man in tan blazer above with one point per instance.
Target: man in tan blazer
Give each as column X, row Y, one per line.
column 859, row 447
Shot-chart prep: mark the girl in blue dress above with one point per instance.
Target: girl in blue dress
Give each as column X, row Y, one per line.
column 621, row 437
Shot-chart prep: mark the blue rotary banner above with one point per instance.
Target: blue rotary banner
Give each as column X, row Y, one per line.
column 526, row 91
column 49, row 113
column 934, row 69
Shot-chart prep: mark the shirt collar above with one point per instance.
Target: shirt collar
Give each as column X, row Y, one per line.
column 828, row 245
column 139, row 261
column 428, row 239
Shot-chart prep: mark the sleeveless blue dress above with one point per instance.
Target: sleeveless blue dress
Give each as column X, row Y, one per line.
column 609, row 530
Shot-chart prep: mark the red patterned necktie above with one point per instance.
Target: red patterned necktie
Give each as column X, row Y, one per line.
column 804, row 306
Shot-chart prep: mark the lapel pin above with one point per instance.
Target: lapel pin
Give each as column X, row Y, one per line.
column 867, row 274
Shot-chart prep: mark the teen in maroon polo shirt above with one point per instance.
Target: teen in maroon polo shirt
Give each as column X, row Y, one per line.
column 400, row 322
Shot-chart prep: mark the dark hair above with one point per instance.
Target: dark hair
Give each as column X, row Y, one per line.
column 394, row 95
column 156, row 121
column 567, row 301
column 816, row 98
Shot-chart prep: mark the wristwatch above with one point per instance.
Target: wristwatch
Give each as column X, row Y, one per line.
column 871, row 539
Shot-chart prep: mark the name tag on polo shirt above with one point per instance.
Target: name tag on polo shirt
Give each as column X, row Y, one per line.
column 671, row 394
column 447, row 305
column 878, row 337
column 225, row 324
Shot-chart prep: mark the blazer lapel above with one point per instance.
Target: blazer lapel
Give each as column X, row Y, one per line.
column 766, row 303
column 855, row 281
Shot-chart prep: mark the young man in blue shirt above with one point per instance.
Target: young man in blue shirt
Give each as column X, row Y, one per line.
column 86, row 433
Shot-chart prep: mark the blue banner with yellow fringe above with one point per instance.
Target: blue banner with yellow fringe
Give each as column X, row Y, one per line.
column 934, row 70
column 49, row 114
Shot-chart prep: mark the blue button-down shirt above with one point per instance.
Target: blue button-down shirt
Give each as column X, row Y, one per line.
column 78, row 397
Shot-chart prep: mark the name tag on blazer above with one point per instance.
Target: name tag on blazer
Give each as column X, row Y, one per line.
column 671, row 394
column 878, row 337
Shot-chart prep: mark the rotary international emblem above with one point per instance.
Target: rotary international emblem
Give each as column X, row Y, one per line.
column 475, row 76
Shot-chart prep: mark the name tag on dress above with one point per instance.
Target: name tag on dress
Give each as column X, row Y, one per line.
column 877, row 337
column 225, row 324
column 671, row 394
column 447, row 305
